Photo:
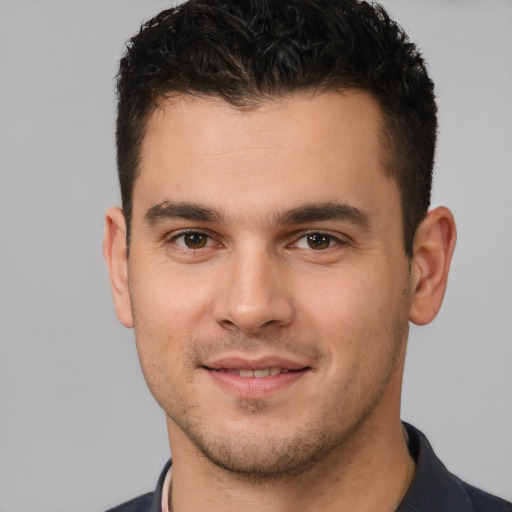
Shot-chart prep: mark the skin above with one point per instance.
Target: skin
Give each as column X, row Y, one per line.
column 274, row 236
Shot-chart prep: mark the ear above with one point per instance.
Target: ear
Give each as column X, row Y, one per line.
column 433, row 247
column 114, row 251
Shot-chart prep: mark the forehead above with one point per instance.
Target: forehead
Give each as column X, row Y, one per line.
column 302, row 148
column 283, row 121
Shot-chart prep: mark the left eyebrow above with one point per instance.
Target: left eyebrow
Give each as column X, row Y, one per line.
column 325, row 211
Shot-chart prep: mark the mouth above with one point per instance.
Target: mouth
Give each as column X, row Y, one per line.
column 257, row 374
column 255, row 378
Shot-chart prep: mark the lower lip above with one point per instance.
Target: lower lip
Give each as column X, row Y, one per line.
column 255, row 387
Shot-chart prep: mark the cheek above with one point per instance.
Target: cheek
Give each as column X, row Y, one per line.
column 170, row 309
column 353, row 315
column 169, row 300
column 341, row 301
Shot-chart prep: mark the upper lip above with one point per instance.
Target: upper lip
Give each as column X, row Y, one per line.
column 260, row 363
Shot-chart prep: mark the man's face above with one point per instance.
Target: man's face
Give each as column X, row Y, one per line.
column 269, row 286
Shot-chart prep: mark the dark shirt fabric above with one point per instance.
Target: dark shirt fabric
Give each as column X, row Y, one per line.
column 433, row 487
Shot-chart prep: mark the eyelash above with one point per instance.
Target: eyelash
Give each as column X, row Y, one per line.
column 183, row 234
column 331, row 240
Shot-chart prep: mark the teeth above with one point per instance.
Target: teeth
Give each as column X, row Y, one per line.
column 262, row 373
column 267, row 372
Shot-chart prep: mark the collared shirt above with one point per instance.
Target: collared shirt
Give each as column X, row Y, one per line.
column 433, row 488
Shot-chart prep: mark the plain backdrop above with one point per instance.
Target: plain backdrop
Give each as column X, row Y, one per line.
column 79, row 430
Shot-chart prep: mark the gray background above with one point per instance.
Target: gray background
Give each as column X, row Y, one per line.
column 79, row 431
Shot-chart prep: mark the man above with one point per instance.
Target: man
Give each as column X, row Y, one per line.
column 275, row 160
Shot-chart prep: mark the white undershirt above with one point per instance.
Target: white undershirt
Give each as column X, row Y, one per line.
column 166, row 490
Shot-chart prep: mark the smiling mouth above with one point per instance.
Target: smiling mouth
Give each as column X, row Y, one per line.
column 258, row 374
column 255, row 379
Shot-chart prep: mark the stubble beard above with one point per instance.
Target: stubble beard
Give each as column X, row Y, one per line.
column 278, row 456
column 273, row 458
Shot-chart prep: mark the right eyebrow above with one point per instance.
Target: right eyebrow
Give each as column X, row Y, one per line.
column 172, row 210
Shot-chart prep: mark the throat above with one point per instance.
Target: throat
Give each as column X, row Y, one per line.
column 323, row 487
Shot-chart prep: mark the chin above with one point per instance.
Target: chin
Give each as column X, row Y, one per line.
column 266, row 455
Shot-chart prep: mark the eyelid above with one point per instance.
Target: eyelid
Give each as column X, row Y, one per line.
column 337, row 238
column 172, row 237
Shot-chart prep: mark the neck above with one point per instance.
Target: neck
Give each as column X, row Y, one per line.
column 371, row 473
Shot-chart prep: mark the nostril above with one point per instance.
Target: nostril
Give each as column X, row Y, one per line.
column 227, row 324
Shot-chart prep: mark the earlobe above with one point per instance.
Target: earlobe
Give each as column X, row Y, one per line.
column 114, row 252
column 434, row 244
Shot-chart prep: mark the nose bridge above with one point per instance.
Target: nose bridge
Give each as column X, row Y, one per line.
column 254, row 293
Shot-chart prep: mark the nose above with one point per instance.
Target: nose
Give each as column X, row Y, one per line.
column 254, row 295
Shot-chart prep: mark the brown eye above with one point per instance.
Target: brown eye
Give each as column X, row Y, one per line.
column 195, row 240
column 318, row 241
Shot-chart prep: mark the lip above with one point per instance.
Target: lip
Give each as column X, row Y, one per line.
column 255, row 387
column 242, row 363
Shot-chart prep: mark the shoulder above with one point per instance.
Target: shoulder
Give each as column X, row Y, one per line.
column 483, row 501
column 150, row 502
column 141, row 504
column 433, row 487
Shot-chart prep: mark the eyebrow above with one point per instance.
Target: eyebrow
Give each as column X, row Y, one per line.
column 314, row 212
column 189, row 211
column 325, row 211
